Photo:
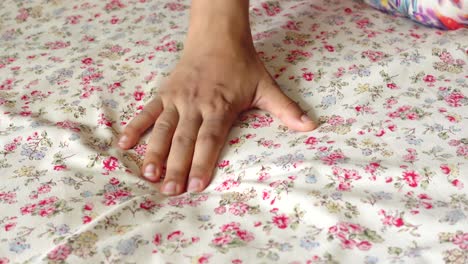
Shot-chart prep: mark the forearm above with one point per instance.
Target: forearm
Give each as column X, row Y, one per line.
column 218, row 22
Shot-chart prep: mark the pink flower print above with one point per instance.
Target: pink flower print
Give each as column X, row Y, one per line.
column 175, row 6
column 331, row 159
column 446, row 57
column 462, row 150
column 147, row 205
column 411, row 177
column 336, row 120
column 344, row 186
column 27, row 209
column 9, row 227
column 281, row 221
column 114, row 181
column 220, row 210
column 60, row 253
column 10, row 147
column 461, row 240
column 47, row 211
column 44, row 189
column 454, row 99
column 57, row 45
column 392, row 86
column 412, row 116
column 141, row 149
column 429, row 79
column 175, row 235
column 364, row 245
column 311, row 141
column 114, row 5
column 110, row 164
column 348, row 243
column 271, row 8
column 362, row 23
column 233, row 226
column 222, row 240
column 226, row 185
column 238, row 208
column 291, row 25
column 457, row 183
column 7, row 84
column 445, row 169
column 264, row 176
column 245, row 235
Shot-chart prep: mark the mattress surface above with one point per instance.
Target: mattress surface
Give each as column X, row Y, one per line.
column 382, row 180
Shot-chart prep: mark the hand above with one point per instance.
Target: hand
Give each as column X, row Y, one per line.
column 215, row 80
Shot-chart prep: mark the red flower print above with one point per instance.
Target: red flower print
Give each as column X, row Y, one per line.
column 445, row 169
column 138, row 95
column 308, row 76
column 86, row 219
column 110, row 164
column 392, row 86
column 87, row 61
column 281, row 221
column 157, row 239
column 223, row 164
column 411, row 177
column 398, row 222
column 330, row 48
column 175, row 235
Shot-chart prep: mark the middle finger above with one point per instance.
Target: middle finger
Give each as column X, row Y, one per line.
column 181, row 153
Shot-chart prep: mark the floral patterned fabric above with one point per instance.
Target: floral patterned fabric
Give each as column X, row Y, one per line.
column 382, row 180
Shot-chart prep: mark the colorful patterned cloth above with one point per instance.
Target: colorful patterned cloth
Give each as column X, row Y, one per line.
column 383, row 180
column 444, row 14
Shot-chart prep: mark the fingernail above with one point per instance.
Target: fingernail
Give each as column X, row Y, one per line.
column 305, row 118
column 150, row 172
column 194, row 185
column 123, row 140
column 169, row 188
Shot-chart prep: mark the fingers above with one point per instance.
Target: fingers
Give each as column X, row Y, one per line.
column 159, row 144
column 145, row 119
column 272, row 99
column 181, row 154
column 210, row 142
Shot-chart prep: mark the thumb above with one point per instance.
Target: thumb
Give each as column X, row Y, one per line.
column 273, row 100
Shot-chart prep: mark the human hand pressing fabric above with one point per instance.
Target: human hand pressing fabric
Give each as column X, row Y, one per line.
column 218, row 77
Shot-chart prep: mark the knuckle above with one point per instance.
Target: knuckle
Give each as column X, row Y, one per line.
column 163, row 126
column 183, row 139
column 209, row 137
column 153, row 156
column 147, row 114
column 199, row 170
column 176, row 173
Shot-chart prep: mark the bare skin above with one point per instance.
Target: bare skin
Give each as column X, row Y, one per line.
column 218, row 77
